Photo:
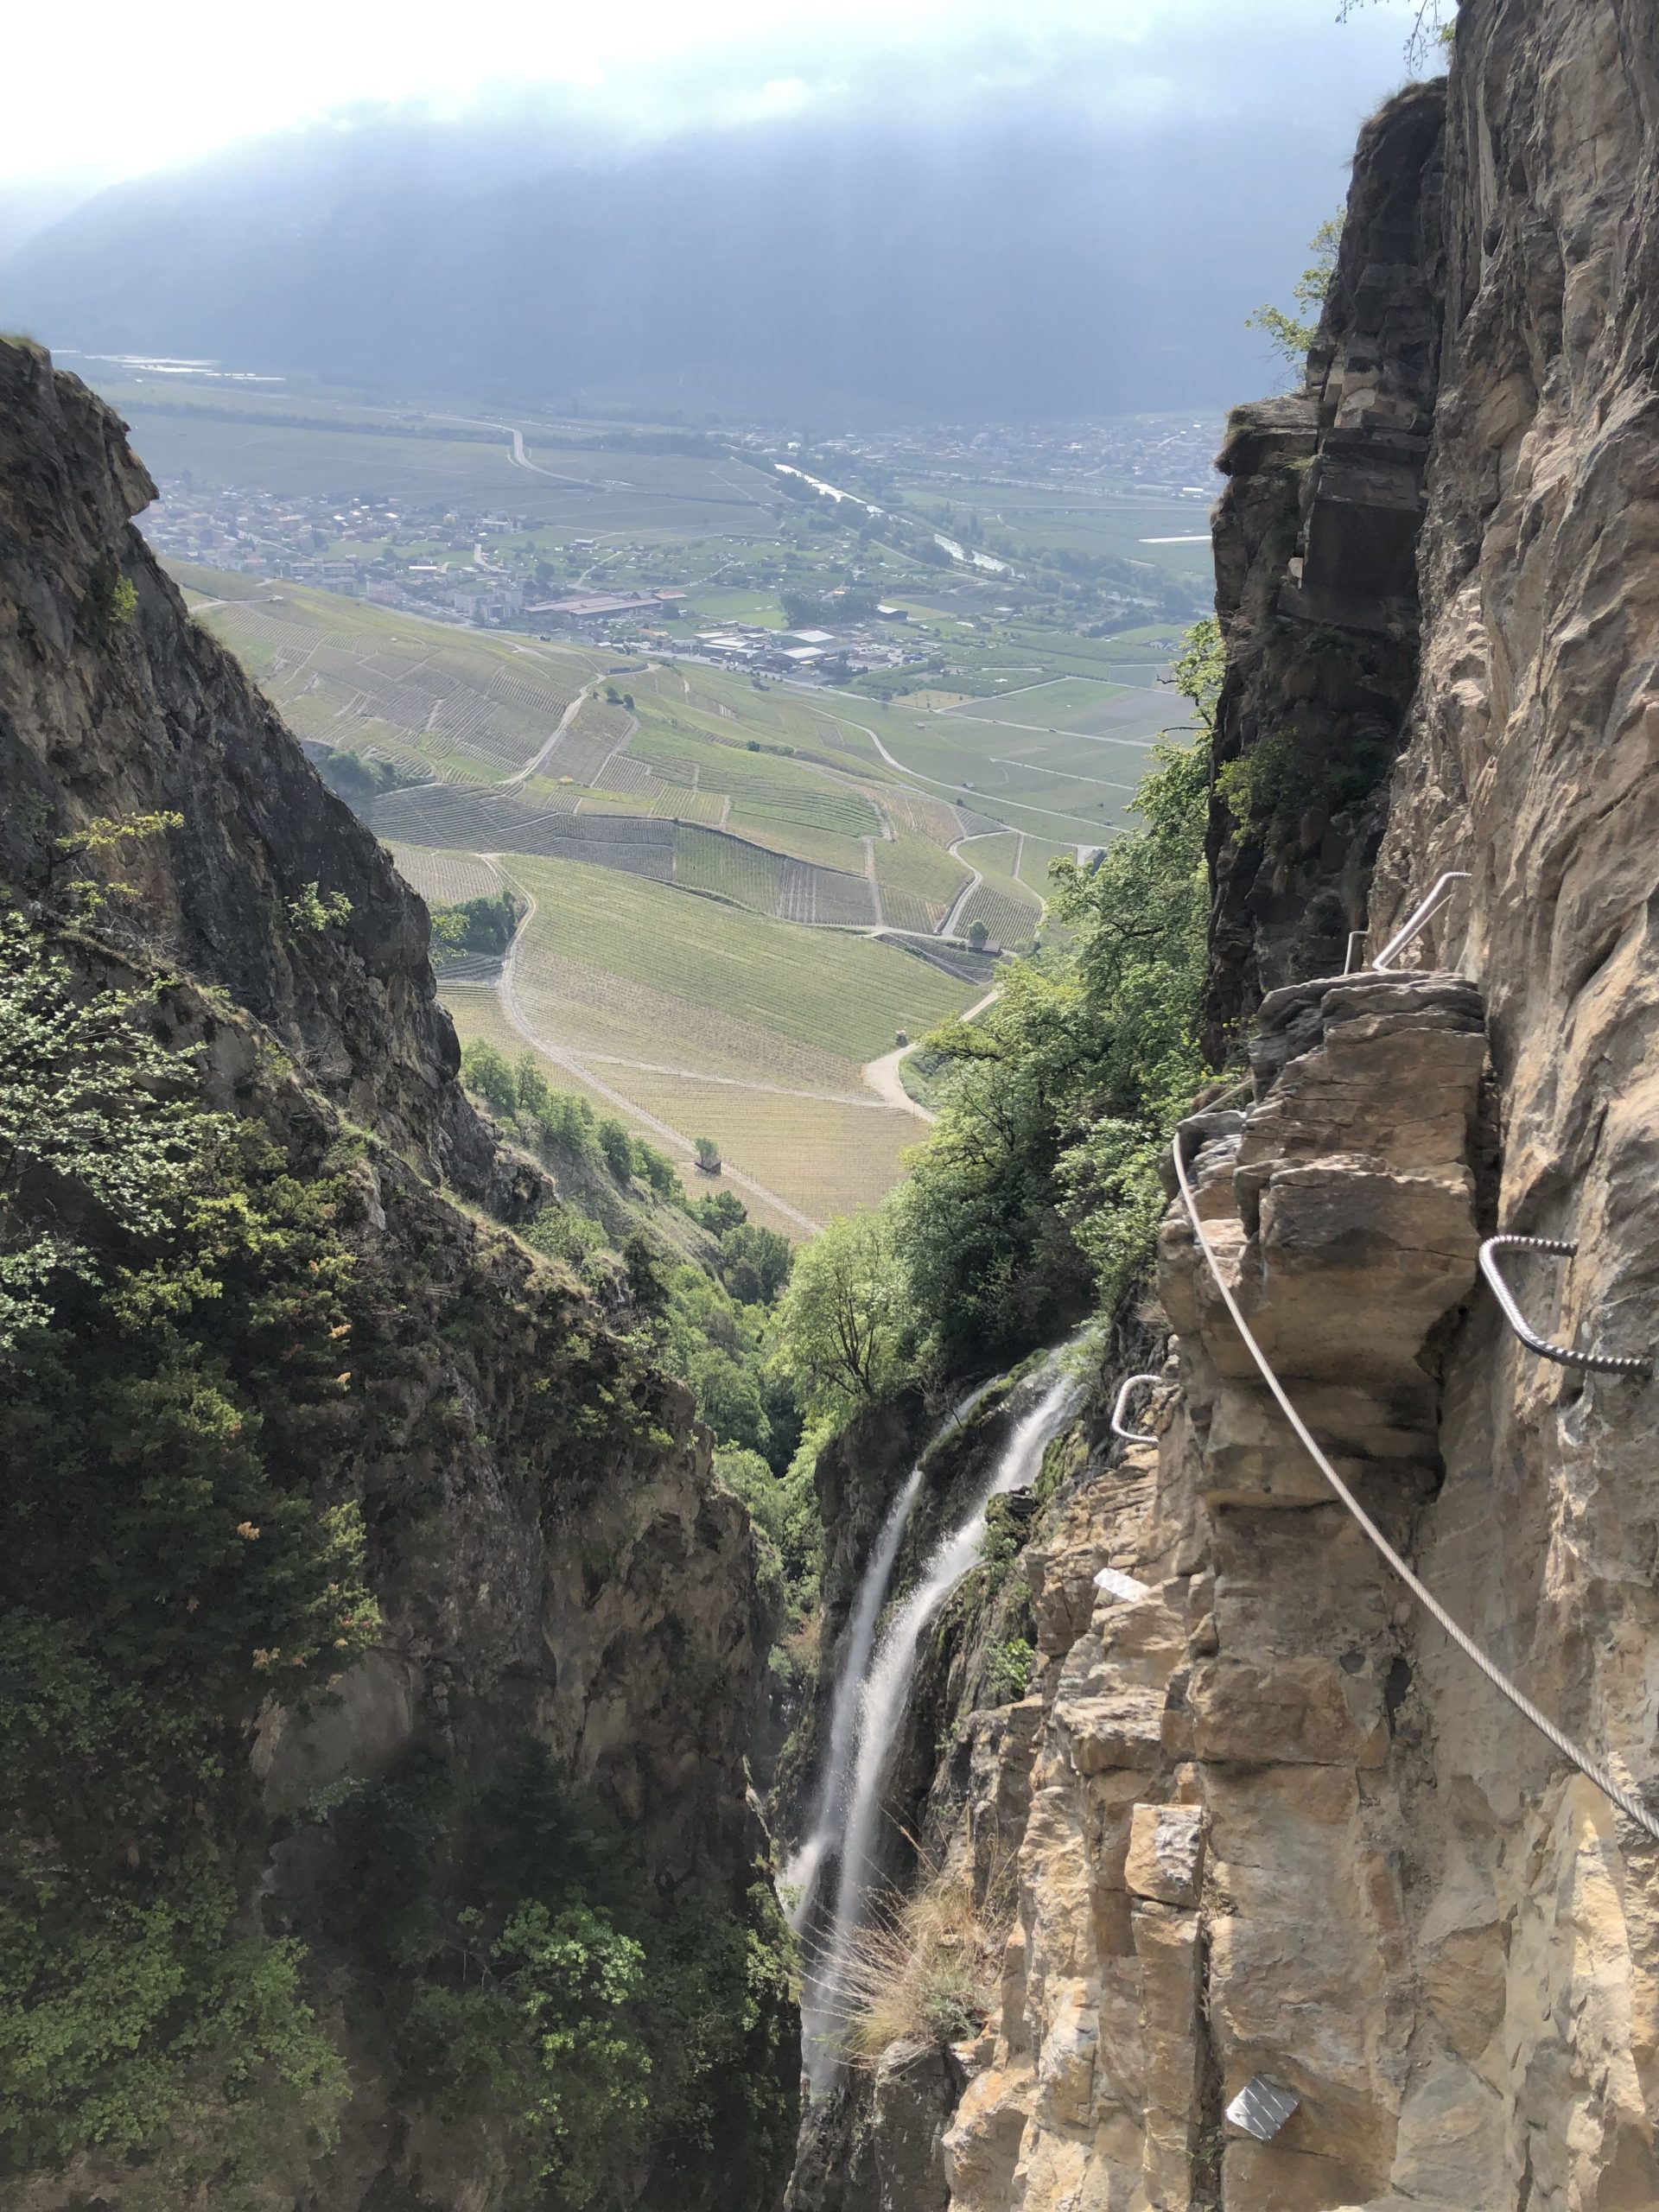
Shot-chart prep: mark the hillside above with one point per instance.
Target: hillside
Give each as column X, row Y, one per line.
column 712, row 270
column 380, row 1652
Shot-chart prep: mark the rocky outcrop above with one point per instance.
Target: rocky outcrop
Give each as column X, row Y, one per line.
column 114, row 704
column 1316, row 592
column 1216, row 1857
column 1271, row 1824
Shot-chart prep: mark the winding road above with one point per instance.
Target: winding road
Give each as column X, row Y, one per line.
column 506, row 991
column 883, row 1075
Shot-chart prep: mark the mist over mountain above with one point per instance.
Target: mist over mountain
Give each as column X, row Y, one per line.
column 1053, row 234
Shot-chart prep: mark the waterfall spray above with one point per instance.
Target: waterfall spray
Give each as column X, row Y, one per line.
column 877, row 1700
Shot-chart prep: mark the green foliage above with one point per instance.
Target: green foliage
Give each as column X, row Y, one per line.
column 480, row 925
column 153, row 2026
column 492, row 1074
column 844, row 1324
column 806, row 610
column 563, row 1234
column 978, row 935
column 708, row 1155
column 788, row 1532
column 616, row 1146
column 1292, row 334
column 754, row 1263
column 97, row 1121
column 165, row 1571
column 1010, row 1670
column 110, row 603
column 311, row 912
column 719, row 1211
column 526, row 1966
column 1038, row 1187
column 658, row 1170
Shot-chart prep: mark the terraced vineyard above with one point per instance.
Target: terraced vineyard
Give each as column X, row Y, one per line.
column 451, row 705
column 1009, row 917
column 446, row 879
column 693, row 1019
column 728, row 866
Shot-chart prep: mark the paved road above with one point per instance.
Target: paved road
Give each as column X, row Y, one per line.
column 883, row 1075
column 948, row 926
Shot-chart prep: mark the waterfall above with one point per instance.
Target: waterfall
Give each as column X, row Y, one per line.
column 876, row 1699
column 802, row 1873
column 829, row 1814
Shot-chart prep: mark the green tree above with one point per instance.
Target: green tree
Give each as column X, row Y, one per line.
column 1292, row 334
column 844, row 1327
column 1038, row 1187
column 978, row 934
column 754, row 1263
column 492, row 1074
column 616, row 1146
column 100, row 1118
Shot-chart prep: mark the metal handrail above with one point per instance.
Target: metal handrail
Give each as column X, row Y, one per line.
column 1129, row 1435
column 1356, row 938
column 1419, row 915
column 1603, row 1362
column 1629, row 1805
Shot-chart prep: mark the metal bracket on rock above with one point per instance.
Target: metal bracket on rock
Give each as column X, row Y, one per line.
column 1131, row 1382
column 1261, row 2107
column 1602, row 1362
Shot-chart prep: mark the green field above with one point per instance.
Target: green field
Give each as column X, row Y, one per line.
column 708, row 857
column 693, row 1019
column 360, row 451
column 431, row 699
column 837, row 995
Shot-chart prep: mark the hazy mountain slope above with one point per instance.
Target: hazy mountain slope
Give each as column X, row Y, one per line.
column 1014, row 257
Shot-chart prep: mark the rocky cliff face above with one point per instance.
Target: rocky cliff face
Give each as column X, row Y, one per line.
column 112, row 707
column 568, row 1658
column 1316, row 586
column 1269, row 1822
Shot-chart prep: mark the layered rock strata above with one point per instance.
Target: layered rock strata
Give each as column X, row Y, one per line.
column 1269, row 1822
column 1215, row 1860
column 1316, row 586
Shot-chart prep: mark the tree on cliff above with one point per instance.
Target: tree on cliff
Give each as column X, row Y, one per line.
column 1292, row 334
column 844, row 1330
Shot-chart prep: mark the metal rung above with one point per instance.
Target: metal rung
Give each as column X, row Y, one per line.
column 1129, row 1435
column 1356, row 938
column 1419, row 917
column 1603, row 1362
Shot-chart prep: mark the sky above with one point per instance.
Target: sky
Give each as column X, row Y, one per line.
column 138, row 89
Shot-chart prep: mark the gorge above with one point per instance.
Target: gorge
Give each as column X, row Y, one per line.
column 385, row 1659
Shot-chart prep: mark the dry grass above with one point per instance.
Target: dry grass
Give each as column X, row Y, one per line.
column 927, row 1968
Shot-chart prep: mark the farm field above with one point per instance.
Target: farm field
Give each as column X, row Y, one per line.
column 690, row 1019
column 1076, row 518
column 430, row 699
column 457, row 715
column 1010, row 910
column 336, row 453
column 832, row 996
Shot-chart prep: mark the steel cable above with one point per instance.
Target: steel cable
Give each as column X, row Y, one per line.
column 1629, row 1805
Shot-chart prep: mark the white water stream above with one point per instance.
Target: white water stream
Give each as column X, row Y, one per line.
column 872, row 1698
